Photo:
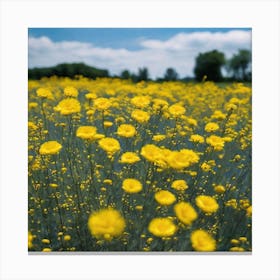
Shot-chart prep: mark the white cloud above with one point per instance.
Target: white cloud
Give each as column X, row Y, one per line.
column 178, row 52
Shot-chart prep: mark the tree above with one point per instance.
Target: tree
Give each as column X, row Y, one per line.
column 143, row 74
column 239, row 65
column 170, row 75
column 209, row 64
column 125, row 74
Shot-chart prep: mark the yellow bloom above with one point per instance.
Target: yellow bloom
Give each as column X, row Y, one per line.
column 108, row 124
column 90, row 95
column 126, row 130
column 71, row 92
column 131, row 185
column 179, row 185
column 44, row 93
column 110, row 145
column 159, row 137
column 30, row 239
column 52, row 185
column 219, row 189
column 197, row 138
column 50, row 148
column 151, row 152
column 129, row 157
column 46, row 241
column 176, row 110
column 205, row 167
column 102, row 103
column 47, row 250
column 67, row 237
column 185, row 212
column 86, row 132
column 140, row 116
column 216, row 142
column 106, row 224
column 182, row 159
column 236, row 249
column 210, row 127
column 202, row 241
column 249, row 211
column 162, row 227
column 141, row 101
column 207, row 204
column 218, row 115
column 165, row 197
column 68, row 106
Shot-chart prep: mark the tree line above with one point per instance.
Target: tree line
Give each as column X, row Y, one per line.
column 208, row 66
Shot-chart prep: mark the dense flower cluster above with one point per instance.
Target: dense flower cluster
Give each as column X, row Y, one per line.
column 118, row 166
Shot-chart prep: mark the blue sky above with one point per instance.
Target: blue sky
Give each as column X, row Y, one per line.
column 117, row 49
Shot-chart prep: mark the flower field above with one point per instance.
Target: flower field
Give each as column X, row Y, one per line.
column 118, row 166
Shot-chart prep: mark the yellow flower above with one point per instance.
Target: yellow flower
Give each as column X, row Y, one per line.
column 68, row 106
column 182, row 159
column 52, row 185
column 140, row 116
column 185, row 212
column 110, row 145
column 165, row 197
column 151, row 152
column 90, row 95
column 236, row 249
column 131, row 185
column 216, row 142
column 197, row 138
column 159, row 137
column 108, row 124
column 71, row 92
column 102, row 103
column 249, row 211
column 205, row 167
column 129, row 157
column 67, row 237
column 30, row 239
column 47, row 250
column 162, row 227
column 106, row 223
column 219, row 189
column 202, row 241
column 176, row 110
column 126, row 130
column 207, row 204
column 86, row 132
column 179, row 185
column 50, row 148
column 210, row 127
column 141, row 101
column 44, row 93
column 219, row 115
column 46, row 241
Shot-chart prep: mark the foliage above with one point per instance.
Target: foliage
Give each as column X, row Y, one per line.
column 239, row 65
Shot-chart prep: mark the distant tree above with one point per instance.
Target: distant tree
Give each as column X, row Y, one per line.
column 125, row 74
column 209, row 64
column 239, row 65
column 143, row 74
column 67, row 70
column 170, row 75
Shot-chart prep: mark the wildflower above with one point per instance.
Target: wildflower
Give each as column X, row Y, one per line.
column 159, row 137
column 46, row 241
column 102, row 103
column 162, row 227
column 151, row 152
column 108, row 124
column 90, row 95
column 53, row 185
column 210, row 127
column 32, row 126
column 234, row 241
column 67, row 237
column 44, row 93
column 30, row 239
column 176, row 110
column 131, row 185
column 185, row 212
column 206, row 203
column 165, row 197
column 249, row 211
column 197, row 138
column 68, row 106
column 192, row 121
column 205, row 167
column 179, row 185
column 140, row 101
column 126, row 130
column 236, row 249
column 46, row 250
column 216, row 142
column 86, row 132
column 140, row 116
column 129, row 157
column 71, row 92
column 139, row 207
column 182, row 159
column 110, row 145
column 50, row 148
column 219, row 189
column 242, row 239
column 202, row 241
column 219, row 115
column 106, row 224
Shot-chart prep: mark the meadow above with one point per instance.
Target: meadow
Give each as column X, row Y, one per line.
column 119, row 166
